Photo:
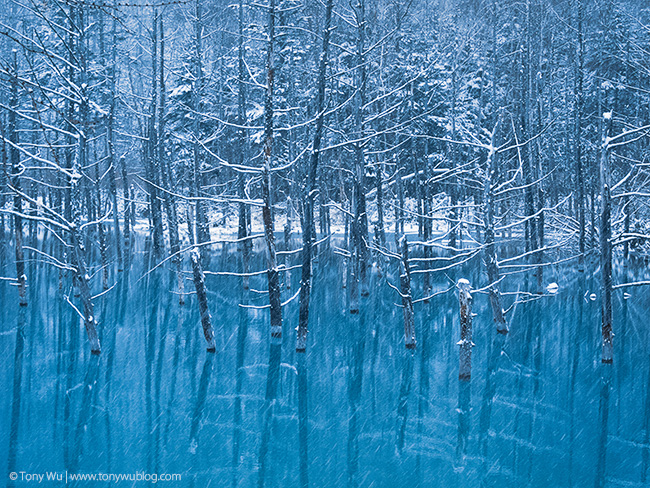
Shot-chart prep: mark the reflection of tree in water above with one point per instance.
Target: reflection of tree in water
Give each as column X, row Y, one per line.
column 423, row 391
column 303, row 419
column 109, row 337
column 240, row 373
column 603, row 424
column 86, row 411
column 305, row 436
column 489, row 390
column 152, row 288
column 356, row 348
column 573, row 375
column 645, row 459
column 404, row 393
column 197, row 416
column 16, row 394
column 270, row 399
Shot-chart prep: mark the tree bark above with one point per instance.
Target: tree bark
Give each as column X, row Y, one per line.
column 407, row 297
column 126, row 195
column 267, row 210
column 490, row 253
column 577, row 137
column 202, row 296
column 360, row 232
column 202, row 225
column 245, row 246
column 605, row 243
column 152, row 146
column 308, row 221
column 167, row 174
column 14, row 162
column 110, row 143
column 465, row 343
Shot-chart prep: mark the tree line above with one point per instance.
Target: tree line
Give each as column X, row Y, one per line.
column 459, row 128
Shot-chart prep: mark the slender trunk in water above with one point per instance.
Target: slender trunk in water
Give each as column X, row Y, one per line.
column 606, row 244
column 202, row 296
column 267, row 210
column 407, row 297
column 465, row 343
column 308, row 221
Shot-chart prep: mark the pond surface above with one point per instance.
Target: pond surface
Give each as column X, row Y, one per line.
column 357, row 410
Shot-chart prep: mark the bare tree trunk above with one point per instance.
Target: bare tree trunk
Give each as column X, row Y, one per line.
column 202, row 226
column 127, row 196
column 267, row 210
column 110, row 142
column 308, row 221
column 381, row 228
column 605, row 243
column 407, row 297
column 81, row 161
column 245, row 246
column 69, row 116
column 202, row 296
column 102, row 232
column 465, row 343
column 427, row 232
column 453, row 183
column 528, row 165
column 152, row 146
column 360, row 215
column 399, row 209
column 82, row 278
column 14, row 161
column 491, row 261
column 167, row 174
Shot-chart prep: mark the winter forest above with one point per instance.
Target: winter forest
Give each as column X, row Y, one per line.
column 365, row 243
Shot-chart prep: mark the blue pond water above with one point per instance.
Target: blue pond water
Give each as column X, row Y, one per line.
column 356, row 410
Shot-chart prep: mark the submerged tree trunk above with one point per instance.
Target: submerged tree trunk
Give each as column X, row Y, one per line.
column 202, row 296
column 267, row 210
column 245, row 245
column 407, row 297
column 360, row 226
column 308, row 220
column 152, row 146
column 606, row 244
column 167, row 175
column 102, row 231
column 465, row 343
column 126, row 195
column 82, row 279
column 427, row 233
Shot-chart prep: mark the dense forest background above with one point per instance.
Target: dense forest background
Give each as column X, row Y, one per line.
column 471, row 124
